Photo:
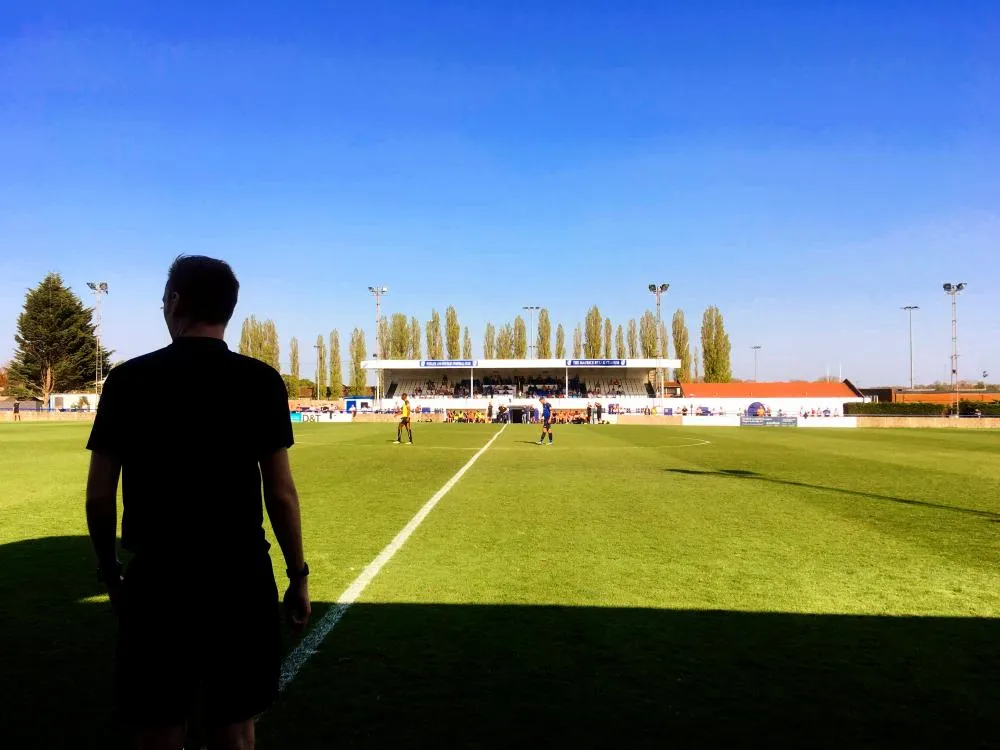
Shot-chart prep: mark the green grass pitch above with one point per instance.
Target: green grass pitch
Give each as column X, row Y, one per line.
column 625, row 587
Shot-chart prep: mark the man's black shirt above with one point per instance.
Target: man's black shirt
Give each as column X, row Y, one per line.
column 190, row 423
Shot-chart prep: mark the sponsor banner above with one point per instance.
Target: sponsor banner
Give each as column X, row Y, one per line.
column 769, row 421
column 447, row 363
column 320, row 416
column 595, row 362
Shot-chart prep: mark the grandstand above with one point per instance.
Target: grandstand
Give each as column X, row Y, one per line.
column 621, row 386
column 455, row 384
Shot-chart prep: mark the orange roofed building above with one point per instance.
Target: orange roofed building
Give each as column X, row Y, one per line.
column 762, row 391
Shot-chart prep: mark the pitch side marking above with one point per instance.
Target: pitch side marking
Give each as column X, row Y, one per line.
column 308, row 646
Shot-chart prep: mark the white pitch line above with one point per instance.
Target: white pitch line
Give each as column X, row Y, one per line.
column 308, row 645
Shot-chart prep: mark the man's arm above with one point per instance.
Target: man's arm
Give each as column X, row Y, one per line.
column 282, row 503
column 102, row 508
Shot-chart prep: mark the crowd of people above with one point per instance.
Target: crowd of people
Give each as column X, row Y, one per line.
column 516, row 387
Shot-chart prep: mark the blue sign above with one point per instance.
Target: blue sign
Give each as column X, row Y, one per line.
column 595, row 362
column 769, row 421
column 448, row 363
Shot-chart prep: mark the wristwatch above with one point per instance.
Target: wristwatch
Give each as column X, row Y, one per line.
column 302, row 573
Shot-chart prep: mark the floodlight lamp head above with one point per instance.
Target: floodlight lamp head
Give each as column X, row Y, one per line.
column 103, row 286
column 92, row 285
column 961, row 286
column 664, row 287
column 652, row 287
column 947, row 288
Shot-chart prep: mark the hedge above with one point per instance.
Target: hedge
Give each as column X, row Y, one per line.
column 990, row 409
column 920, row 409
column 897, row 409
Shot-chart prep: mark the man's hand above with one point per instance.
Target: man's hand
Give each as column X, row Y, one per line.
column 297, row 606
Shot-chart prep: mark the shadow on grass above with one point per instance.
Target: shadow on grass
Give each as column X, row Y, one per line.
column 410, row 675
column 744, row 474
column 415, row 675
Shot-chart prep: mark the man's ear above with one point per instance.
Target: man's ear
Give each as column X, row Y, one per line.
column 173, row 302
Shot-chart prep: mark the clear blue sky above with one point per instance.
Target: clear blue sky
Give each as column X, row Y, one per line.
column 809, row 170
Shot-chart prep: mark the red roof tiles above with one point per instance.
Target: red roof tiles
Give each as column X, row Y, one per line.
column 795, row 389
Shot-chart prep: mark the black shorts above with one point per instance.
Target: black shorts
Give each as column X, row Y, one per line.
column 404, row 422
column 546, row 424
column 190, row 645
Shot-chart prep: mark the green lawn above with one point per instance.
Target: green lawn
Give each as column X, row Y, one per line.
column 627, row 586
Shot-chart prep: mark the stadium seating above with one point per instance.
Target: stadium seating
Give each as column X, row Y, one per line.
column 615, row 388
column 603, row 388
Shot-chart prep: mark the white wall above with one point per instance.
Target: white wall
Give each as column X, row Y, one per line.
column 727, row 421
column 69, row 400
column 829, row 422
column 735, row 406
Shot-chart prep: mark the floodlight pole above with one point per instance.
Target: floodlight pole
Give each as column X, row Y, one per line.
column 954, row 290
column 378, row 292
column 317, row 347
column 756, row 348
column 532, row 350
column 99, row 288
column 658, row 291
column 909, row 309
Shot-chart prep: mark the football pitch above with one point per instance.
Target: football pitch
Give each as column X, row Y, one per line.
column 624, row 587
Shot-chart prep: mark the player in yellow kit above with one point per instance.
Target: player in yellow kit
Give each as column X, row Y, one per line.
column 404, row 421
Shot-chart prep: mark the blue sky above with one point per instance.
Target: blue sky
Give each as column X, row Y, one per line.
column 809, row 170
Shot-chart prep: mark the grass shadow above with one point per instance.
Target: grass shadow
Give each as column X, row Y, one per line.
column 745, row 474
column 57, row 647
column 416, row 675
column 422, row 675
column 57, row 643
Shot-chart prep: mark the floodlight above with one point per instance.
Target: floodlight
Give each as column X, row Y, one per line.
column 961, row 286
column 947, row 287
column 92, row 285
column 652, row 287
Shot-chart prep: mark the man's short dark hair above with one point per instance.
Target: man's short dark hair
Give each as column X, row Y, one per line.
column 207, row 288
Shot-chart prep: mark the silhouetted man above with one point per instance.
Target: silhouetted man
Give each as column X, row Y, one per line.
column 17, row 411
column 197, row 606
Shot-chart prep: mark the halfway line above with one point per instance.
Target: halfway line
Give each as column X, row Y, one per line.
column 308, row 645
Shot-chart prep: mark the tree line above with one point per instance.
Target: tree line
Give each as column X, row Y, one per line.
column 57, row 346
column 400, row 336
